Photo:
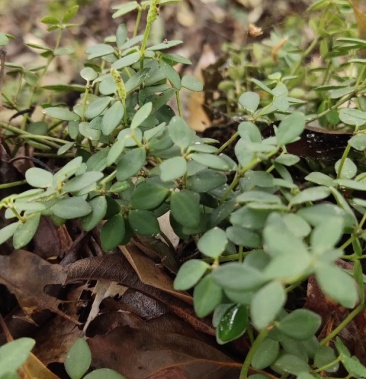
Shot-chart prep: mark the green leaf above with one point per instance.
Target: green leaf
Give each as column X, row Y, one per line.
column 25, row 231
column 243, row 237
column 211, row 161
column 70, row 13
column 192, row 83
column 233, row 324
column 112, row 118
column 290, row 128
column 180, row 133
column 358, row 141
column 249, row 101
column 267, row 304
column 236, row 276
column 301, row 324
column 325, row 235
column 206, row 180
column 61, row 114
column 338, row 285
column 143, row 222
column 148, row 196
column 206, row 296
column 4, row 40
column 81, row 181
column 280, row 241
column 353, row 184
column 258, row 196
column 189, row 274
column 141, row 115
column 7, row 231
column 287, row 159
column 104, row 373
column 266, row 354
column 213, row 243
column 13, row 354
column 72, row 207
column 320, row 178
column 124, row 9
column 130, row 163
column 296, row 225
column 324, row 356
column 127, row 60
column 116, row 151
column 349, row 169
column 50, row 20
column 113, row 232
column 121, row 35
column 87, row 131
column 99, row 50
column 78, row 359
column 311, row 194
column 172, row 169
column 96, row 107
column 99, row 208
column 69, row 169
column 341, row 347
column 354, row 366
column 166, row 44
column 351, row 116
column 39, row 178
column 170, row 74
column 185, row 208
column 291, row 364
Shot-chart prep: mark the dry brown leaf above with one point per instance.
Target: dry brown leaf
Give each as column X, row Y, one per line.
column 33, row 368
column 26, row 275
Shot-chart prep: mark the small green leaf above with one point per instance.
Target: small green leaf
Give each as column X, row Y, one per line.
column 267, row 304
column 349, row 169
column 104, row 373
column 172, row 169
column 69, row 169
column 99, row 50
column 213, row 243
column 130, row 163
column 7, row 231
column 189, row 274
column 320, row 178
column 61, row 114
column 192, row 83
column 4, row 40
column 72, row 207
column 351, row 116
column 287, row 159
column 96, row 107
column 291, row 364
column 206, row 295
column 354, row 367
column 236, row 276
column 211, row 161
column 112, row 118
column 13, row 354
column 327, row 234
column 311, row 194
column 249, row 101
column 185, row 208
column 338, row 285
column 121, row 35
column 113, row 232
column 170, row 74
column 301, row 324
column 206, row 180
column 81, row 181
column 243, row 237
column 127, row 60
column 78, row 359
column 116, row 151
column 99, row 208
column 39, row 178
column 324, row 356
column 266, row 354
column 141, row 115
column 143, row 222
column 290, row 128
column 358, row 141
column 148, row 196
column 180, row 133
column 25, row 231
column 50, row 20
column 70, row 13
column 233, row 324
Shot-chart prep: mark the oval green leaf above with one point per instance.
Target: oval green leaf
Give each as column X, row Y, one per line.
column 113, row 232
column 189, row 274
column 213, row 243
column 78, row 359
column 185, row 208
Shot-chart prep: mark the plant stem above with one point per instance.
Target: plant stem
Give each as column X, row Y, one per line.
column 12, row 184
column 248, row 360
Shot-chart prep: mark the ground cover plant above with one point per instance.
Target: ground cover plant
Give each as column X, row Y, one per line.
column 269, row 225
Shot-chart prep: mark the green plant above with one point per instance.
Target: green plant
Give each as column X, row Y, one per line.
column 78, row 360
column 260, row 228
column 13, row 355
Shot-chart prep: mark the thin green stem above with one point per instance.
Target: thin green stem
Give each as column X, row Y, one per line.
column 228, row 142
column 138, row 20
column 12, row 184
column 248, row 360
column 343, row 324
column 177, row 96
column 343, row 160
